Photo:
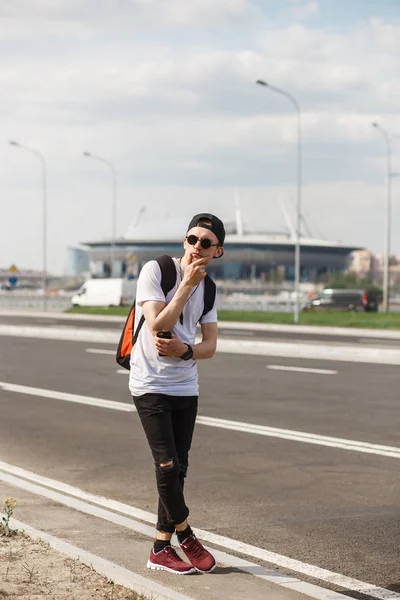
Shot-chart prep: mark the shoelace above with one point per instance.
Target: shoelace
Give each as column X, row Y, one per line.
column 194, row 547
column 172, row 552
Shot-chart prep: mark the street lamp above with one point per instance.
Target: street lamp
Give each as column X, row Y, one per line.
column 389, row 176
column 299, row 189
column 113, row 208
column 40, row 156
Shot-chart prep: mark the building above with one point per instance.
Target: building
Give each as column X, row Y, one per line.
column 248, row 256
column 364, row 264
column 78, row 261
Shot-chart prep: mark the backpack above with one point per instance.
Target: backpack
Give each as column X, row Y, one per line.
column 168, row 279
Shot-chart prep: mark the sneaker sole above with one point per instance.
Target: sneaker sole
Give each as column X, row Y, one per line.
column 209, row 570
column 154, row 567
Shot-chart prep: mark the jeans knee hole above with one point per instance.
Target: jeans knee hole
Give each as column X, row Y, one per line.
column 167, row 465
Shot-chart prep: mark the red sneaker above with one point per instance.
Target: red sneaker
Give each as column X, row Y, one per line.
column 168, row 560
column 198, row 556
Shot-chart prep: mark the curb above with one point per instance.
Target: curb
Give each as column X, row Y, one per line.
column 307, row 329
column 304, row 350
column 4, row 312
column 104, row 567
column 313, row 329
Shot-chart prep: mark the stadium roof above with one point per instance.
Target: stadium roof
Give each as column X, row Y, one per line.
column 254, row 239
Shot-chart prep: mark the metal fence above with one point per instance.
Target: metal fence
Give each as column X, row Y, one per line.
column 282, row 302
column 235, row 301
column 255, row 302
column 13, row 299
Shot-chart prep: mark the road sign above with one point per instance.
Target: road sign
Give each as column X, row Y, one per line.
column 13, row 281
column 13, row 269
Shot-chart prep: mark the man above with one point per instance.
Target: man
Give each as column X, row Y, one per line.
column 164, row 383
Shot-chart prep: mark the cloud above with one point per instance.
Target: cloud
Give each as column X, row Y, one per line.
column 174, row 106
column 23, row 19
column 302, row 11
column 182, row 12
column 359, row 68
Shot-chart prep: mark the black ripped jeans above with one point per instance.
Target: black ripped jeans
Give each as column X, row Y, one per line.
column 168, row 422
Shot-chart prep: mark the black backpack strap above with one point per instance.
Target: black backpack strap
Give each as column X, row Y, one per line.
column 168, row 273
column 168, row 280
column 210, row 290
column 138, row 328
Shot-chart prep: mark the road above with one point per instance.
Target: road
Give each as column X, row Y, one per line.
column 225, row 330
column 334, row 508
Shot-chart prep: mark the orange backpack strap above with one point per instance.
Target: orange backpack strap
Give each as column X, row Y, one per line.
column 129, row 336
column 126, row 340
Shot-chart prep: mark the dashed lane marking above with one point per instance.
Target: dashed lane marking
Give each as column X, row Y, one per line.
column 285, row 434
column 85, row 502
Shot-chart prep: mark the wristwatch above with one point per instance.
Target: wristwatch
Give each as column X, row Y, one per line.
column 188, row 354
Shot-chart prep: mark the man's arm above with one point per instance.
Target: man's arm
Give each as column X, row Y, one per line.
column 204, row 349
column 208, row 345
column 162, row 317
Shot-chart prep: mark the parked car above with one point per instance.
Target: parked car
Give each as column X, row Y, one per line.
column 332, row 299
column 105, row 292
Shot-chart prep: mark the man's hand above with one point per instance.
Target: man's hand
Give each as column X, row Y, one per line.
column 173, row 347
column 195, row 271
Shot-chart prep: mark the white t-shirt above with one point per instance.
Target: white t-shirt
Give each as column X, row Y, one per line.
column 149, row 372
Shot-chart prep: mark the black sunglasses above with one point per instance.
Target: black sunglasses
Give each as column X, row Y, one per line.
column 205, row 242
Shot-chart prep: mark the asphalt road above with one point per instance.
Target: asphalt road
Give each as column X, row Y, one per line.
column 224, row 331
column 333, row 508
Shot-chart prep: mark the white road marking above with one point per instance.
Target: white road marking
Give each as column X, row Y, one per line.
column 314, row 330
column 100, row 351
column 120, row 575
column 285, row 434
column 312, row 351
column 345, row 352
column 78, row 504
column 122, row 371
column 84, row 501
column 66, row 333
column 301, row 370
column 299, row 436
column 76, row 398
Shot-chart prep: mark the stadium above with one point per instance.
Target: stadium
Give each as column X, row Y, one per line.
column 267, row 256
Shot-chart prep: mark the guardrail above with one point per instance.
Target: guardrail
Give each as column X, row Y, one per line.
column 20, row 300
column 259, row 303
column 14, row 299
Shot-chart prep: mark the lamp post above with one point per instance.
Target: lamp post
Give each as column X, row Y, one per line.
column 40, row 156
column 113, row 207
column 389, row 176
column 299, row 190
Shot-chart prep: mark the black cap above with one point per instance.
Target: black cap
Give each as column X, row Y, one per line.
column 217, row 226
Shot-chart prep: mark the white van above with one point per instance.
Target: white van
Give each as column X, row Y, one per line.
column 105, row 292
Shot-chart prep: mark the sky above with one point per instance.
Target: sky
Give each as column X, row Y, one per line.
column 165, row 90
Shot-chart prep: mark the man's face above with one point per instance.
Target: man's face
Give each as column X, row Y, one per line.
column 197, row 251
